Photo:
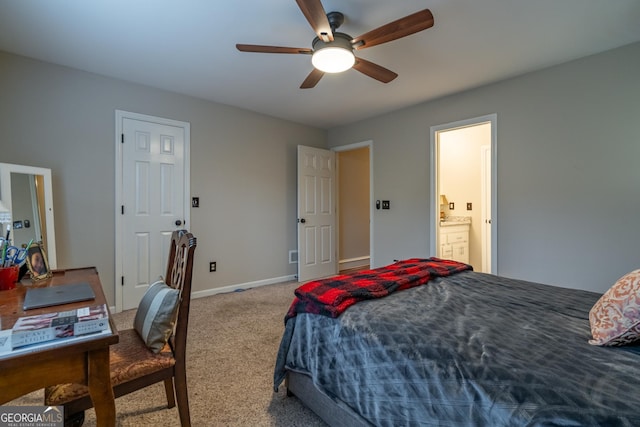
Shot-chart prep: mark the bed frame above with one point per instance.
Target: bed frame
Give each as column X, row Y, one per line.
column 332, row 412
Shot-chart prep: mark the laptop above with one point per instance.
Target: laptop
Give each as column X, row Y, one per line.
column 57, row 295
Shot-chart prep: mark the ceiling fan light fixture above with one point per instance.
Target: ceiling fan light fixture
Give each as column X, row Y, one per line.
column 333, row 57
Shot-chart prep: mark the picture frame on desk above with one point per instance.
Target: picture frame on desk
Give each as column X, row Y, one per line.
column 37, row 262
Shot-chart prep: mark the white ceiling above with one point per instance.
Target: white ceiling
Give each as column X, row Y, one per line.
column 188, row 46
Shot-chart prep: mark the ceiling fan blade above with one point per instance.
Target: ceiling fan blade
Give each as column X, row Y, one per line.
column 271, row 49
column 312, row 79
column 374, row 71
column 317, row 17
column 394, row 30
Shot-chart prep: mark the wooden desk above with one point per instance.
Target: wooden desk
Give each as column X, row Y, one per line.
column 84, row 362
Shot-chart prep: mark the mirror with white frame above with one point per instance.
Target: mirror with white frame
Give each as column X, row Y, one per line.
column 26, row 191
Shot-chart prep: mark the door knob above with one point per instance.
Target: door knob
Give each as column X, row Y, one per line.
column 302, row 220
column 178, row 222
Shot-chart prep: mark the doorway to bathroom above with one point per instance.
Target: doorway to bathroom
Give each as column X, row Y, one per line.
column 463, row 192
column 355, row 219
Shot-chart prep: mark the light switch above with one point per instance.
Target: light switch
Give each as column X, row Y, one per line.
column 469, row 206
column 386, row 204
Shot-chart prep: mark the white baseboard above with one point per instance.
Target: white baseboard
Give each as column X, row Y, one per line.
column 233, row 288
column 242, row 286
column 346, row 264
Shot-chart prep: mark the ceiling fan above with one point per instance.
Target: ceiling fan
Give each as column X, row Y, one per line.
column 332, row 51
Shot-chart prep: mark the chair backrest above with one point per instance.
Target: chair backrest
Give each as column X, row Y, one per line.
column 179, row 272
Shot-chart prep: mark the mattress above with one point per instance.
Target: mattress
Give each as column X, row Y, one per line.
column 470, row 349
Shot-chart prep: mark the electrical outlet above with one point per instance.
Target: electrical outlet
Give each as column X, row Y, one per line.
column 213, row 266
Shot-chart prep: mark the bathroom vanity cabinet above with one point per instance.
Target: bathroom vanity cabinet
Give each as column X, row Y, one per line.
column 454, row 240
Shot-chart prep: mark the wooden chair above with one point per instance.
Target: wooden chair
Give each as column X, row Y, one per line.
column 133, row 365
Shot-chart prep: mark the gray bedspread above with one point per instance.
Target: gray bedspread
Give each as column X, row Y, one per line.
column 468, row 350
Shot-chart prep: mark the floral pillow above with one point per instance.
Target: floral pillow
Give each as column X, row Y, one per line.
column 615, row 318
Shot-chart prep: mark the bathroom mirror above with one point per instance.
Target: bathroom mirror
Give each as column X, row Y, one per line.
column 27, row 192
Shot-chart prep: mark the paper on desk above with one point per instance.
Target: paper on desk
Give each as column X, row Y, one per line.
column 6, row 351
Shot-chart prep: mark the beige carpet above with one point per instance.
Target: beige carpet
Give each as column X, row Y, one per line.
column 232, row 345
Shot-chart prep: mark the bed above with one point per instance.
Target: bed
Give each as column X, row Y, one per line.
column 459, row 349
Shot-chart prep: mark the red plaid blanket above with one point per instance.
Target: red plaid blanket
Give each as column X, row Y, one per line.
column 332, row 296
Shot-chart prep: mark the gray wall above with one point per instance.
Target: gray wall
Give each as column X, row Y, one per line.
column 568, row 178
column 243, row 168
column 568, row 181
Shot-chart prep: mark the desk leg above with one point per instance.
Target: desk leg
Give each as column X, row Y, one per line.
column 99, row 380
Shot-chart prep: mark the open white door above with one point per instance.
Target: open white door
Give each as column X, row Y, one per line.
column 486, row 207
column 316, row 213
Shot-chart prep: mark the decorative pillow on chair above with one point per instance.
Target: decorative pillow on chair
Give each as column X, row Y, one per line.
column 156, row 315
column 615, row 318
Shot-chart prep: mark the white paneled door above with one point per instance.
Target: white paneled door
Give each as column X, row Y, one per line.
column 153, row 202
column 316, row 213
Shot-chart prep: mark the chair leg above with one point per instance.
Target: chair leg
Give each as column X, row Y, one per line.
column 182, row 396
column 168, row 388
